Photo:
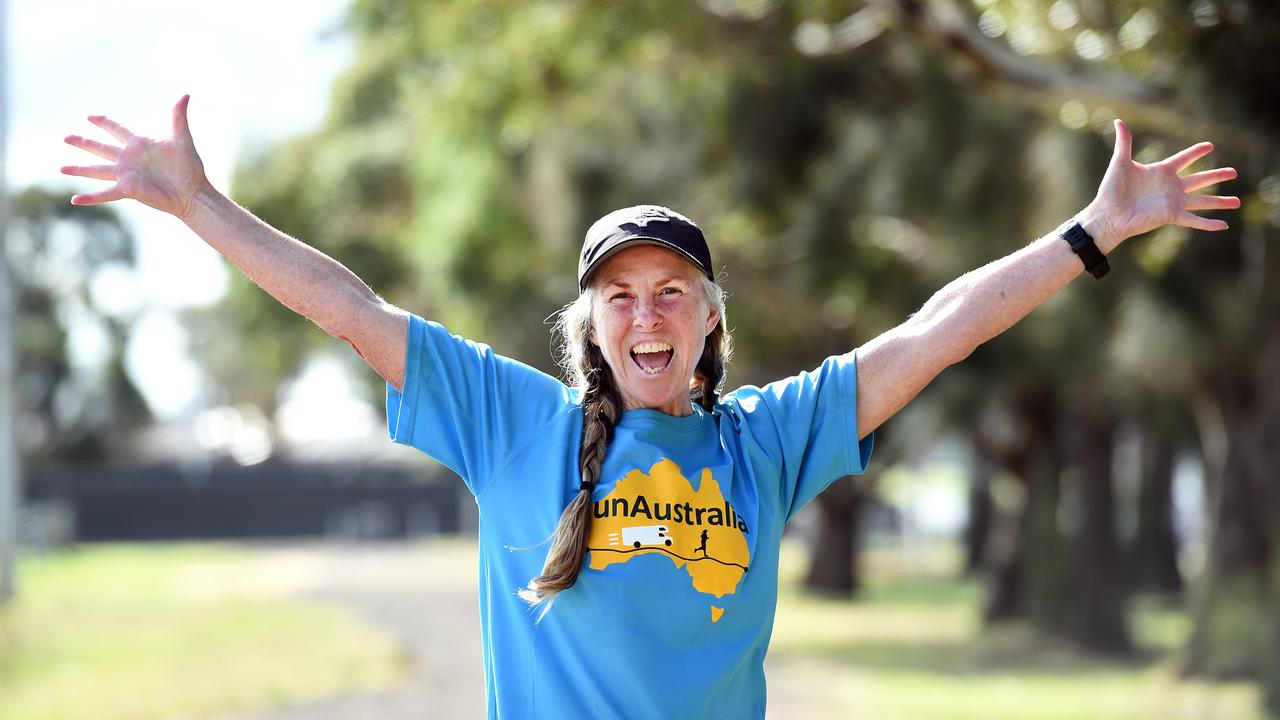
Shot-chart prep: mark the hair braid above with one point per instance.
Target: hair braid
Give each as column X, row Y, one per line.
column 601, row 410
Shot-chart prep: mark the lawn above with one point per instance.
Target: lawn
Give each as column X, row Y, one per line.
column 148, row 632
column 188, row 631
column 912, row 647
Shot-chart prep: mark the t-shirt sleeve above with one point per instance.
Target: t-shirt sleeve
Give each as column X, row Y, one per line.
column 808, row 425
column 466, row 406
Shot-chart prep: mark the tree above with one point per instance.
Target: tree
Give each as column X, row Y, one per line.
column 54, row 252
column 846, row 160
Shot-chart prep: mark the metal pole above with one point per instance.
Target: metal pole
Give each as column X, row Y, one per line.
column 9, row 467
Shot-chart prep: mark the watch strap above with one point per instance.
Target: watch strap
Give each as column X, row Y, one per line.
column 1085, row 248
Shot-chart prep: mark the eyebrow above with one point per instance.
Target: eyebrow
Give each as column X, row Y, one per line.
column 612, row 282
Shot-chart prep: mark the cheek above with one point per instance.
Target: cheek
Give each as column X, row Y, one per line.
column 605, row 333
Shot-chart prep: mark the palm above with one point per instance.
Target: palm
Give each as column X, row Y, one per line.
column 165, row 174
column 1139, row 198
column 159, row 173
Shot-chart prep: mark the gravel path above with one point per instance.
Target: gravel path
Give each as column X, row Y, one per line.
column 426, row 597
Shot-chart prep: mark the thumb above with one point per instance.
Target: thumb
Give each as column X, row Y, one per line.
column 1124, row 143
column 180, row 127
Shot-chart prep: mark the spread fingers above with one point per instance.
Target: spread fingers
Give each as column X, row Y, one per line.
column 1201, row 180
column 102, row 150
column 1182, row 160
column 117, row 130
column 1212, row 202
column 1187, row 219
column 112, row 193
column 97, row 172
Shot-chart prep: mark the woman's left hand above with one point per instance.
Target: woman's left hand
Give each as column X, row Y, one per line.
column 1135, row 198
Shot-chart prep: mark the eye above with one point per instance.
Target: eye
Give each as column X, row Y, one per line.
column 670, row 291
column 620, row 296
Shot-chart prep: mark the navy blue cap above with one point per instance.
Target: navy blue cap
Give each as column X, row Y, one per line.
column 643, row 224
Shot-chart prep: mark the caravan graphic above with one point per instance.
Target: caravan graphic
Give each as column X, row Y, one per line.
column 638, row 536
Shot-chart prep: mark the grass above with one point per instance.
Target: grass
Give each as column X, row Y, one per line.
column 183, row 631
column 913, row 647
column 165, row 631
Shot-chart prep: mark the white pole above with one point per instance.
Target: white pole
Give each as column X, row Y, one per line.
column 9, row 467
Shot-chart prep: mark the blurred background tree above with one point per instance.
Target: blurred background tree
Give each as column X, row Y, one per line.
column 847, row 159
column 71, row 268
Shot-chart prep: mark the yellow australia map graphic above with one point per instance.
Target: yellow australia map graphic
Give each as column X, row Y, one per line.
column 661, row 513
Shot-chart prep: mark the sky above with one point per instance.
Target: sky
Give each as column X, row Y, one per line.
column 257, row 71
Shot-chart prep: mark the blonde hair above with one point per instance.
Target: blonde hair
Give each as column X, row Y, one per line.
column 601, row 409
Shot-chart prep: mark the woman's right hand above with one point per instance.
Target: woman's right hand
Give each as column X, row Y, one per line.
column 164, row 174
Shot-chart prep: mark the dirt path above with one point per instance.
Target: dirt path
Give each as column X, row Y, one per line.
column 425, row 597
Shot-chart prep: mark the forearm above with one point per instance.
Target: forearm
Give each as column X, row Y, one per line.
column 1132, row 199
column 304, row 279
column 894, row 367
column 985, row 302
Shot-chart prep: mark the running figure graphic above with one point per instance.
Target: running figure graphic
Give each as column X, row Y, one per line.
column 703, row 546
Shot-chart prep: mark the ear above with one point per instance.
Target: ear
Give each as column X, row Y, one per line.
column 591, row 336
column 713, row 319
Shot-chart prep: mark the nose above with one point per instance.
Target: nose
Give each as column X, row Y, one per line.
column 647, row 317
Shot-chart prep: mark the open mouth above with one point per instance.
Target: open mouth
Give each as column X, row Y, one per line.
column 652, row 357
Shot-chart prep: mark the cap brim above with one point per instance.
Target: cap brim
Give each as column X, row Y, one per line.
column 628, row 242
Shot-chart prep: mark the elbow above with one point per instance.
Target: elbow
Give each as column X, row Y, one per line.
column 946, row 343
column 344, row 322
column 960, row 352
column 951, row 335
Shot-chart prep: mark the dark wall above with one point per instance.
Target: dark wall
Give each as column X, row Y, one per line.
column 269, row 500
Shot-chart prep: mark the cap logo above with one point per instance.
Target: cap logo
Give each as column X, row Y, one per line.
column 644, row 217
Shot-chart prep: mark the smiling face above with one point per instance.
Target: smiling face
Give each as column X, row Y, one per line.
column 650, row 319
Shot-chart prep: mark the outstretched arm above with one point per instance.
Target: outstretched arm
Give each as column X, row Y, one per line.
column 1132, row 199
column 169, row 176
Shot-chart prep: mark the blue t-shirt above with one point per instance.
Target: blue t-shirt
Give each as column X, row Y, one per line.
column 672, row 612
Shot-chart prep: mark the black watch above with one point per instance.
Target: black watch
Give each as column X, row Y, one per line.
column 1083, row 246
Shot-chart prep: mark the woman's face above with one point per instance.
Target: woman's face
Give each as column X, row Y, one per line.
column 650, row 319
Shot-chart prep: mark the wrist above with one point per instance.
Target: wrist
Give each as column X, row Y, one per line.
column 204, row 199
column 1100, row 225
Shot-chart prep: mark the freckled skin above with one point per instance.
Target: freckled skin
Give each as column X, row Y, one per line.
column 647, row 293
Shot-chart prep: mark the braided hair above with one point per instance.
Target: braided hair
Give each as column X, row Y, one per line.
column 601, row 410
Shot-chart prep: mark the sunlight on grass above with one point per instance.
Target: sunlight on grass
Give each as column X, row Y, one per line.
column 912, row 646
column 163, row 631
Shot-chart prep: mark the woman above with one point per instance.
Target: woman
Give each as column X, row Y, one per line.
column 665, row 500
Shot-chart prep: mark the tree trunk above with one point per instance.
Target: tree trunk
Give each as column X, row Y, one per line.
column 1154, row 555
column 1097, row 607
column 1232, row 606
column 1026, row 569
column 833, row 568
column 981, row 517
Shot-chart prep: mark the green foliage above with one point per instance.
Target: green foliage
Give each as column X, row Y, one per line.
column 54, row 253
column 846, row 160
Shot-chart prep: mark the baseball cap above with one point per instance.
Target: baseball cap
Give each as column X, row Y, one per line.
column 643, row 224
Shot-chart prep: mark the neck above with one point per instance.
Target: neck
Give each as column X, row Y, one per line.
column 679, row 408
